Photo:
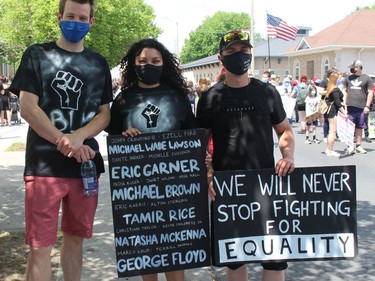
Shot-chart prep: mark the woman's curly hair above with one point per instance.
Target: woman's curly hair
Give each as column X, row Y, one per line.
column 171, row 75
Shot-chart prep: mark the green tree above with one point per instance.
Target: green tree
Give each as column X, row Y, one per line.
column 24, row 22
column 366, row 8
column 204, row 41
column 117, row 25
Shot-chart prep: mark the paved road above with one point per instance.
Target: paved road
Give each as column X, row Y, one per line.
column 99, row 263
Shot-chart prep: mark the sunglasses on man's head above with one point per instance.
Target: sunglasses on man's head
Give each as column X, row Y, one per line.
column 231, row 36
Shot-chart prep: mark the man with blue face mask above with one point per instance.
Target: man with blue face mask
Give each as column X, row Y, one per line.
column 65, row 91
column 241, row 113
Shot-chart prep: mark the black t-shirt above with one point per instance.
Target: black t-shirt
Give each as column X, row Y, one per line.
column 5, row 98
column 336, row 97
column 159, row 109
column 241, row 121
column 71, row 87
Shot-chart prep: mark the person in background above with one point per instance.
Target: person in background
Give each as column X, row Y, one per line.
column 154, row 98
column 274, row 80
column 289, row 102
column 2, row 113
column 287, row 85
column 334, row 97
column 6, row 95
column 65, row 91
column 231, row 110
column 300, row 92
column 204, row 84
column 116, row 87
column 266, row 76
column 1, row 103
column 316, row 81
column 312, row 105
column 358, row 97
column 293, row 94
column 193, row 96
column 324, row 84
column 221, row 76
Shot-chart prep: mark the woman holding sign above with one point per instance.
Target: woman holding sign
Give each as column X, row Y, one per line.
column 154, row 98
column 334, row 98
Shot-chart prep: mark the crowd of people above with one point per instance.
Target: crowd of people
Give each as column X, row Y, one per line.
column 153, row 96
column 350, row 93
column 9, row 104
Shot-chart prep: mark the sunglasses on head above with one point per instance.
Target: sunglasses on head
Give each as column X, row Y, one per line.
column 231, row 36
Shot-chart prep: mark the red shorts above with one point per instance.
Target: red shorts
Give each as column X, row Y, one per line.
column 42, row 204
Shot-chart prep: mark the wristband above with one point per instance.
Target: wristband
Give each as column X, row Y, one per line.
column 367, row 106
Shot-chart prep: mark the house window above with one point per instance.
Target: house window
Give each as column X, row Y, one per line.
column 297, row 70
column 325, row 66
column 310, row 69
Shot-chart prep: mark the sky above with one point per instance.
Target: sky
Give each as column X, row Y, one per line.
column 180, row 17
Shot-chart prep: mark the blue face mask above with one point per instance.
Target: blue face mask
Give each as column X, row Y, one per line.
column 74, row 31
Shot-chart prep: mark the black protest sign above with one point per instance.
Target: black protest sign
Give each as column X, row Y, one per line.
column 159, row 201
column 307, row 215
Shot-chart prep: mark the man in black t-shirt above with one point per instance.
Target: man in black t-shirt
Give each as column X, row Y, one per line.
column 241, row 113
column 65, row 91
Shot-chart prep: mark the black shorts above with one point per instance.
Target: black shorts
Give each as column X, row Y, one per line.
column 301, row 107
column 278, row 266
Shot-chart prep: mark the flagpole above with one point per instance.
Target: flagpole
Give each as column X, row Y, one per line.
column 268, row 44
column 252, row 30
column 269, row 53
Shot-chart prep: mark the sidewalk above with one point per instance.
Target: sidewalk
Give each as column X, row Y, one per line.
column 99, row 252
column 11, row 174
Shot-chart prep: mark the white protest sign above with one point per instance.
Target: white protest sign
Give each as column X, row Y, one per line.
column 345, row 130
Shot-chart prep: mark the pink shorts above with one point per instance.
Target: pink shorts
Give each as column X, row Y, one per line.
column 42, row 204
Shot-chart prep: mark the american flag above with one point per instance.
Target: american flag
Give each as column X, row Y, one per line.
column 276, row 27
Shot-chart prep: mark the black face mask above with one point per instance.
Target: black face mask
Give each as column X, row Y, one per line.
column 148, row 74
column 237, row 63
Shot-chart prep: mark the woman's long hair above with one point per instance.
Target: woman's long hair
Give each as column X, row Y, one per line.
column 332, row 82
column 171, row 75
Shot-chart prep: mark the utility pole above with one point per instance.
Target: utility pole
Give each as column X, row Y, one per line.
column 252, row 32
column 177, row 43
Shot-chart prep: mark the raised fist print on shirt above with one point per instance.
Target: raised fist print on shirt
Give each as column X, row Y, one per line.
column 151, row 114
column 68, row 87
